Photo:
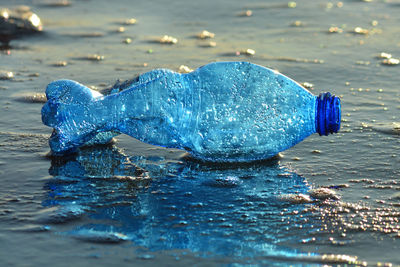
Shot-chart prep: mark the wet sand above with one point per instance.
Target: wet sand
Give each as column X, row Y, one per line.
column 133, row 204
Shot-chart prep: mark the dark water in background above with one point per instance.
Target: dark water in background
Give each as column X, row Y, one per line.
column 155, row 208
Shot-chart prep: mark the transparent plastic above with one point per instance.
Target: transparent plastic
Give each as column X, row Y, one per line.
column 223, row 111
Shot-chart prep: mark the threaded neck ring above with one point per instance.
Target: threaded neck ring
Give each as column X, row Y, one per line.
column 328, row 114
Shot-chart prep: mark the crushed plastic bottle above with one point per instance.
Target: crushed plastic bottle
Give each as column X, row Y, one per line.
column 223, row 111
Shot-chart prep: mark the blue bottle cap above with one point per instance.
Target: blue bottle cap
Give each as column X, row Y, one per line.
column 328, row 114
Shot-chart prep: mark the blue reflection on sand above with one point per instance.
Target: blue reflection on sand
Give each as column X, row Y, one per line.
column 210, row 209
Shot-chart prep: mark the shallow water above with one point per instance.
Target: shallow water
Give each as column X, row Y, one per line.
column 135, row 204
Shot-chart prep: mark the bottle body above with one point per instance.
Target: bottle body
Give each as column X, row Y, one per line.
column 230, row 111
column 255, row 112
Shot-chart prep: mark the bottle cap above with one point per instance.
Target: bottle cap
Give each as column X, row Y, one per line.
column 328, row 114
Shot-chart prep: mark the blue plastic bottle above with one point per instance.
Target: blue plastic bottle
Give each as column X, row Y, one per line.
column 224, row 111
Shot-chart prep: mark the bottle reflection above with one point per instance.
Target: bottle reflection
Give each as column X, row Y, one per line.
column 163, row 204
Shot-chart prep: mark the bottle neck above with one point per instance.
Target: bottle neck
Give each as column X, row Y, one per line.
column 328, row 114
